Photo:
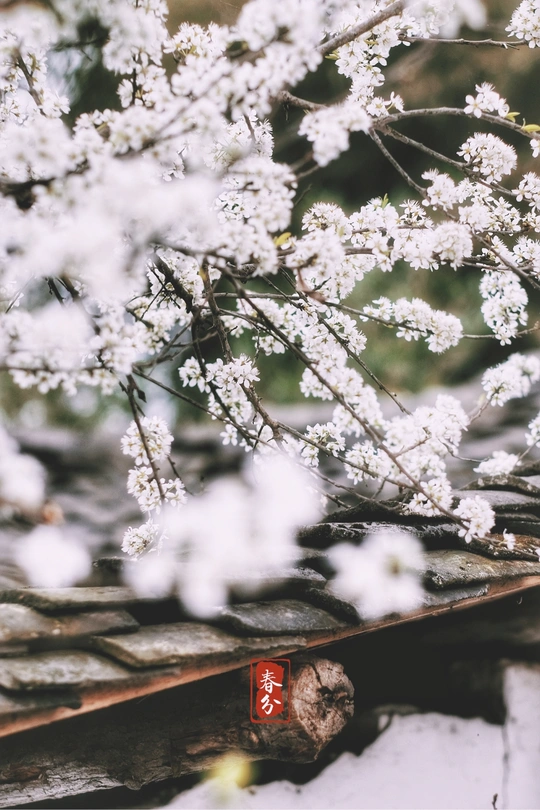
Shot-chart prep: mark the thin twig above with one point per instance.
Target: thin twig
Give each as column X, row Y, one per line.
column 412, row 183
column 130, row 391
column 476, row 43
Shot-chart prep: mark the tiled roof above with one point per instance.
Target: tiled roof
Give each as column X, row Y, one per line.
column 73, row 650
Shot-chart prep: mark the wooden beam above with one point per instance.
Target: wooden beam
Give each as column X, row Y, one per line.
column 173, row 733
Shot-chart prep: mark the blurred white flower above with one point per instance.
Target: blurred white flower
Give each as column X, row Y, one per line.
column 22, row 483
column 22, row 479
column 51, row 559
column 235, row 535
column 152, row 576
column 381, row 576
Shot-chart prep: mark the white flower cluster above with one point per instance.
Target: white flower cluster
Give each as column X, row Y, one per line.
column 489, row 156
column 478, row 516
column 148, row 442
column 157, row 441
column 52, row 558
column 435, row 497
column 504, row 305
column 533, row 438
column 525, row 23
column 228, row 386
column 165, row 232
column 500, row 463
column 449, row 15
column 511, row 379
column 139, row 539
column 329, row 129
column 486, row 100
column 416, row 319
column 420, row 441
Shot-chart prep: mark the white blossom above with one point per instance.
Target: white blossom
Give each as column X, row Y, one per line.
column 478, row 516
column 437, row 495
column 489, row 156
column 500, row 463
column 239, row 532
column 486, row 100
column 525, row 23
column 157, row 440
column 533, row 437
column 22, row 483
column 511, row 379
column 510, row 539
column 165, row 233
column 382, row 575
column 139, row 539
column 328, row 129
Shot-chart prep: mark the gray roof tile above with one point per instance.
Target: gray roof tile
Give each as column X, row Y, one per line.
column 280, row 616
column 189, row 643
column 19, row 624
column 451, row 569
column 58, row 670
column 56, row 599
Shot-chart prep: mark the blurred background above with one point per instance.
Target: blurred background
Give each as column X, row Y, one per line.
column 425, row 74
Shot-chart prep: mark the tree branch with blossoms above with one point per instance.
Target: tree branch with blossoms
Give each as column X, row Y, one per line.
column 163, row 230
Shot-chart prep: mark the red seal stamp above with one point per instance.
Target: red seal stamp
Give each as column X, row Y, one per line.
column 270, row 690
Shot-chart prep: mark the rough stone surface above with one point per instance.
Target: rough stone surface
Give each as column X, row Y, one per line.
column 329, row 601
column 451, row 569
column 56, row 599
column 19, row 623
column 57, row 670
column 513, row 483
column 187, row 643
column 454, row 595
column 281, row 616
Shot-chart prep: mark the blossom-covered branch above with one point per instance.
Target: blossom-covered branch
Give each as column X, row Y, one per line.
column 163, row 231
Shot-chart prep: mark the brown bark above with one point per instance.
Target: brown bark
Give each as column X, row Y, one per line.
column 175, row 732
